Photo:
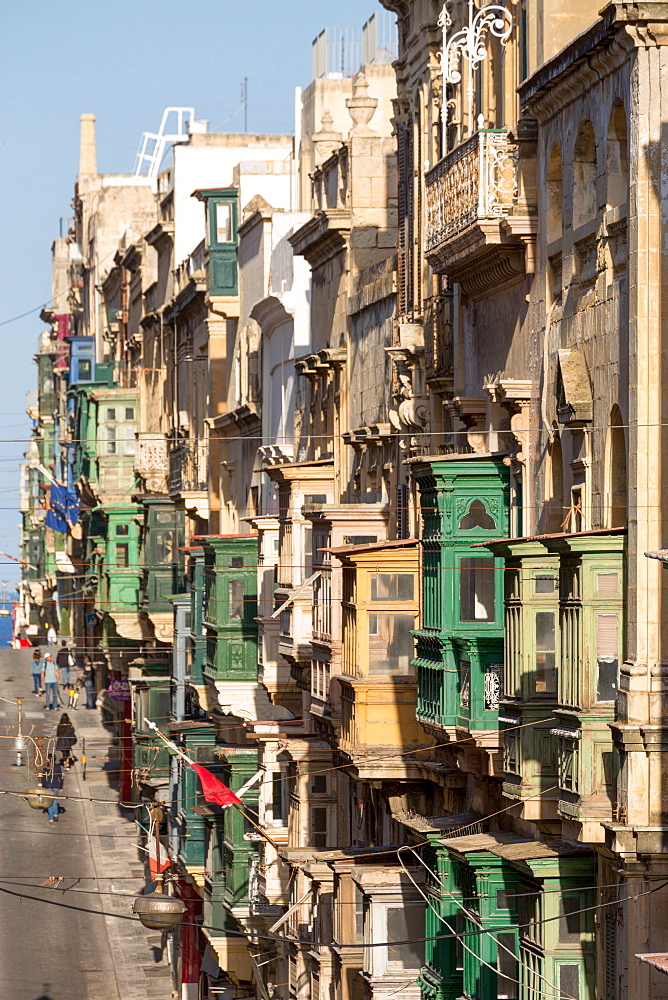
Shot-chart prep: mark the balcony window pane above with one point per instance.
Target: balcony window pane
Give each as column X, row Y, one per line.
column 319, row 827
column 392, row 587
column 545, row 584
column 130, row 440
column 111, row 414
column 477, row 517
column 476, row 590
column 569, row 982
column 85, row 370
column 569, row 919
column 122, row 560
column 405, row 923
column 122, row 529
column 277, row 797
column 111, row 441
column 236, row 600
column 390, row 643
column 223, row 223
column 359, row 915
column 545, row 653
column 506, row 980
column 607, row 657
column 164, row 547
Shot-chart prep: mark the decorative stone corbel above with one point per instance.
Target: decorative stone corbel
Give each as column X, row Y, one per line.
column 472, row 412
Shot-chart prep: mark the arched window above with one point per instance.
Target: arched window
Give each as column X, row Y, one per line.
column 618, row 157
column 616, row 471
column 554, row 196
column 477, row 517
column 584, row 176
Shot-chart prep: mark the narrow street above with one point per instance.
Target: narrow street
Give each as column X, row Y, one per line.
column 65, row 943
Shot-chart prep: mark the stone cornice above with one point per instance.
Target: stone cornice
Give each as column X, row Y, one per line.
column 322, row 237
column 595, row 54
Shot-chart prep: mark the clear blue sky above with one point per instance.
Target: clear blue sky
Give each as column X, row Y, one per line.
column 123, row 61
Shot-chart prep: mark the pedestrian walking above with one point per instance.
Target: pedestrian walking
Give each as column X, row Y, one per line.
column 50, row 682
column 89, row 682
column 64, row 661
column 66, row 738
column 51, row 635
column 52, row 779
column 73, row 694
column 36, row 668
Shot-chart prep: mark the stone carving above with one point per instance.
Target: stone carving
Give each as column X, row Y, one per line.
column 361, row 107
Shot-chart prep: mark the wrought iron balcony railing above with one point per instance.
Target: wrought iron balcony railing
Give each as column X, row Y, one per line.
column 189, row 467
column 476, row 181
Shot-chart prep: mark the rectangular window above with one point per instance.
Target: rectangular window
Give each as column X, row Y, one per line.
column 122, row 529
column 319, row 784
column 129, row 412
column 545, row 680
column 111, row 441
column 569, row 919
column 569, row 982
column 236, row 600
column 319, row 827
column 359, row 539
column 359, row 915
column 405, row 923
column 277, row 796
column 111, row 414
column 223, row 223
column 392, row 587
column 285, row 619
column 505, row 899
column 85, row 369
column 313, row 498
column 607, row 657
column 506, row 964
column 122, row 555
column 236, row 561
column 130, row 442
column 459, row 948
column 476, row 590
column 607, row 584
column 391, row 647
column 545, row 584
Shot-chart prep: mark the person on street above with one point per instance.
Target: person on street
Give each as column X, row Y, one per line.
column 66, row 737
column 50, row 682
column 52, row 779
column 89, row 682
column 51, row 635
column 73, row 694
column 64, row 661
column 36, row 667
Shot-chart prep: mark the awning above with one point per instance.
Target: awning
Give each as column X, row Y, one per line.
column 657, row 959
column 209, row 964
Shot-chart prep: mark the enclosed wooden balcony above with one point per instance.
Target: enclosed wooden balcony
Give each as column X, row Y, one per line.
column 477, row 225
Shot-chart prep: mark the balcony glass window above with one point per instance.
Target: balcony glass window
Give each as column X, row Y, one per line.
column 506, row 964
column 319, row 827
column 111, row 414
column 391, row 646
column 569, row 981
column 476, row 590
column 277, row 797
column 110, row 447
column 130, row 442
column 392, row 587
column 607, row 584
column 359, row 915
column 122, row 529
column 477, row 517
column 122, row 555
column 236, row 600
column 319, row 784
column 545, row 584
column 607, row 657
column 129, row 412
column 545, row 679
column 223, row 223
column 164, row 547
column 405, row 923
column 84, row 369
column 569, row 919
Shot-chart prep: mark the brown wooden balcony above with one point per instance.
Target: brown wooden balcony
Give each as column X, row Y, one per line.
column 476, row 228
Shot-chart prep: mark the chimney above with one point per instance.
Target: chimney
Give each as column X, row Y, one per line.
column 87, row 154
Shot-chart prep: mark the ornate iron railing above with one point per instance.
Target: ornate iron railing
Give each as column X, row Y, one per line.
column 477, row 180
column 189, row 467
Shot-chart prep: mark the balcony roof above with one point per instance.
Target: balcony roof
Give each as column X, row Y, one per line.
column 593, row 532
column 371, row 546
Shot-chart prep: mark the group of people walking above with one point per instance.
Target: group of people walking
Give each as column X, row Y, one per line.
column 53, row 773
column 49, row 672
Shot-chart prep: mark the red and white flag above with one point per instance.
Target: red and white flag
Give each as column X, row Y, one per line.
column 214, row 790
column 158, row 859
